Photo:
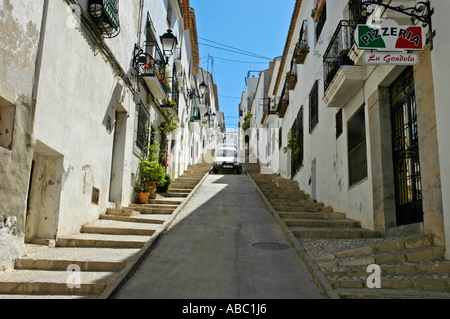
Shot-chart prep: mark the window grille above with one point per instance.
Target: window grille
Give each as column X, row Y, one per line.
column 143, row 126
column 357, row 151
column 314, row 106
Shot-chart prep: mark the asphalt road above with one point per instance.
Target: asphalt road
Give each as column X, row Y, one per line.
column 224, row 244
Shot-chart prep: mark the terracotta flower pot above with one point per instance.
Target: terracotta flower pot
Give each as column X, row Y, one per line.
column 300, row 58
column 143, row 197
column 152, row 184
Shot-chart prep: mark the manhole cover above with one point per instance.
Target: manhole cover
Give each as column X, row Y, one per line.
column 271, row 246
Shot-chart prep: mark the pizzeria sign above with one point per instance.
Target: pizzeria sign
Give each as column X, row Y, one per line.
column 390, row 37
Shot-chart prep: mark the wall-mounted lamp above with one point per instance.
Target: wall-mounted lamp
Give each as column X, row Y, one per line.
column 202, row 87
column 169, row 42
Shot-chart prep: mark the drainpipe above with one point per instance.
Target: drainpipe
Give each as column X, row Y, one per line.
column 34, row 93
column 37, row 70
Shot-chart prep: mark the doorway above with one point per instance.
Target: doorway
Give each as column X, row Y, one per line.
column 313, row 180
column 118, row 157
column 405, row 149
column 44, row 194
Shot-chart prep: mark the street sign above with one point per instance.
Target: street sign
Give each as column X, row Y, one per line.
column 389, row 36
column 391, row 58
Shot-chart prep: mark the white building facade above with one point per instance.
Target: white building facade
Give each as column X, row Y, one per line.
column 82, row 92
column 364, row 138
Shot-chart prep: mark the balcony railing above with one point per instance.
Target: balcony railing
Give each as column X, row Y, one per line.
column 195, row 114
column 150, row 65
column 105, row 14
column 336, row 54
column 359, row 11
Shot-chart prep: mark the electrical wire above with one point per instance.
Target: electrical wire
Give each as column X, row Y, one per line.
column 236, row 61
column 247, row 52
column 237, row 52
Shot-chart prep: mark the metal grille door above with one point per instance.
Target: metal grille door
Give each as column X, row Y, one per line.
column 408, row 186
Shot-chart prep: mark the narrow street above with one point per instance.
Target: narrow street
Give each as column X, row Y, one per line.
column 225, row 244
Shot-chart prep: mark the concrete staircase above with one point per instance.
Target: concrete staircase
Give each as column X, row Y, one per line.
column 105, row 250
column 411, row 266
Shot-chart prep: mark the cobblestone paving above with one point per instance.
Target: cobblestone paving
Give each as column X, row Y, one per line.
column 323, row 249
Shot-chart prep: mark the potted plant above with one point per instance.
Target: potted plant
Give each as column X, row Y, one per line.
column 143, row 191
column 292, row 80
column 301, row 53
column 151, row 172
column 163, row 187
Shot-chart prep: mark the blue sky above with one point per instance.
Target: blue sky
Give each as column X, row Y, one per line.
column 258, row 27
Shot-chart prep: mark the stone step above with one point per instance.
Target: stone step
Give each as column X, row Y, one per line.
column 437, row 267
column 121, row 211
column 63, row 264
column 312, row 215
column 155, row 210
column 189, row 186
column 420, row 282
column 303, row 209
column 117, row 231
column 180, row 190
column 35, row 282
column 103, row 241
column 119, row 227
column 333, row 223
column 394, row 257
column 295, row 202
column 329, row 232
column 137, row 219
column 185, row 194
column 165, row 201
column 292, row 194
column 364, row 293
column 388, row 246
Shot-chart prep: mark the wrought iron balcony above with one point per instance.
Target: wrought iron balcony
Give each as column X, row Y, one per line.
column 360, row 11
column 152, row 69
column 342, row 78
column 336, row 54
column 105, row 14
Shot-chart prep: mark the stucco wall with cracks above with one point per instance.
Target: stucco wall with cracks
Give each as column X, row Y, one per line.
column 20, row 23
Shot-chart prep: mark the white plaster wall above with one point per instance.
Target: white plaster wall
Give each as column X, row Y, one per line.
column 321, row 146
column 20, row 23
column 78, row 90
column 441, row 70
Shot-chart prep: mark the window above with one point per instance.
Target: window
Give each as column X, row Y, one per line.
column 7, row 114
column 296, row 141
column 339, row 123
column 143, row 126
column 95, row 196
column 322, row 19
column 314, row 106
column 357, row 152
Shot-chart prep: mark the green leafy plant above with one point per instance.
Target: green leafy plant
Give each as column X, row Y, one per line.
column 247, row 118
column 151, row 171
column 293, row 145
column 290, row 76
column 163, row 187
column 142, row 188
